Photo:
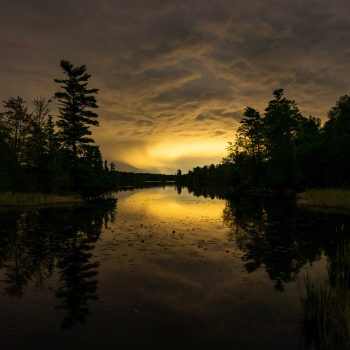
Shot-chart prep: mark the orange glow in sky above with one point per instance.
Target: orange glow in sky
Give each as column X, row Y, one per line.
column 173, row 150
column 164, row 153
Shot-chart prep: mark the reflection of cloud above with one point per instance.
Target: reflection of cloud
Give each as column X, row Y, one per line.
column 167, row 68
column 163, row 205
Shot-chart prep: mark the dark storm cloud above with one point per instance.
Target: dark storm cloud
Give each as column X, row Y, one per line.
column 202, row 117
column 219, row 114
column 206, row 87
column 220, row 132
column 183, row 68
column 164, row 73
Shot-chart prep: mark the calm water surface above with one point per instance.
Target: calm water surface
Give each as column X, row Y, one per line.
column 160, row 270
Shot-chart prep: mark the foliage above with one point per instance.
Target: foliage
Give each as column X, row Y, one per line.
column 75, row 102
column 43, row 153
column 336, row 142
column 283, row 150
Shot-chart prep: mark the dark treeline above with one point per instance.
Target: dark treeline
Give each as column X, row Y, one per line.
column 283, row 150
column 122, row 178
column 40, row 153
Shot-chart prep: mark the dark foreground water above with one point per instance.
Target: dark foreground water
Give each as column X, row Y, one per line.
column 161, row 270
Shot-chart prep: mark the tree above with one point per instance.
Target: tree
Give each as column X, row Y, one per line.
column 282, row 123
column 112, row 167
column 15, row 123
column 51, row 140
column 251, row 130
column 247, row 150
column 38, row 143
column 106, row 169
column 5, row 176
column 75, row 104
column 92, row 157
column 309, row 155
column 337, row 143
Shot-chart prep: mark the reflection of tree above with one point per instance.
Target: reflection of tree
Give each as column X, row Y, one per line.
column 208, row 191
column 77, row 278
column 18, row 272
column 77, row 270
column 36, row 243
column 178, row 188
column 278, row 236
column 23, row 253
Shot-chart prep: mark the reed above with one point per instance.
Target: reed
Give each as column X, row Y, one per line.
column 36, row 199
column 336, row 198
column 326, row 306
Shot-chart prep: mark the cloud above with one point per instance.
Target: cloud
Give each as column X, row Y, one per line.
column 201, row 117
column 220, row 132
column 204, row 88
column 182, row 70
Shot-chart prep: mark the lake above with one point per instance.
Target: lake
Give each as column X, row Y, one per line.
column 161, row 268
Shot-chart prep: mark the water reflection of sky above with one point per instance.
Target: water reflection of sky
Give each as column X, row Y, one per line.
column 192, row 283
column 165, row 204
column 162, row 269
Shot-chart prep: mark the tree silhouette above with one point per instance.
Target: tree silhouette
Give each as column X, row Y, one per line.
column 281, row 126
column 77, row 278
column 38, row 141
column 75, row 104
column 337, row 143
column 15, row 127
column 282, row 150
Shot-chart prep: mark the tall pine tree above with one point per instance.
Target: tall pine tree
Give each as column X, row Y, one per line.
column 76, row 102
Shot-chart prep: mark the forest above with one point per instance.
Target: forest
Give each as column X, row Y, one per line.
column 42, row 155
column 283, row 150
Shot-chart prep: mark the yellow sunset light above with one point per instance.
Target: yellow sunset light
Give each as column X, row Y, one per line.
column 173, row 150
column 163, row 154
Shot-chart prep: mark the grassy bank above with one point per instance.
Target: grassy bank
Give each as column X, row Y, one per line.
column 36, row 199
column 334, row 198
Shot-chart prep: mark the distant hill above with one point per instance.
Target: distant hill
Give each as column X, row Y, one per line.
column 120, row 166
column 125, row 167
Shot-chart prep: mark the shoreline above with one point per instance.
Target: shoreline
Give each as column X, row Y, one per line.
column 330, row 199
column 17, row 199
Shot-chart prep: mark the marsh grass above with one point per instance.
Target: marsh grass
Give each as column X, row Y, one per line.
column 334, row 198
column 9, row 199
column 326, row 306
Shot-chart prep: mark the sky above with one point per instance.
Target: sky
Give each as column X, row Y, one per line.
column 175, row 76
